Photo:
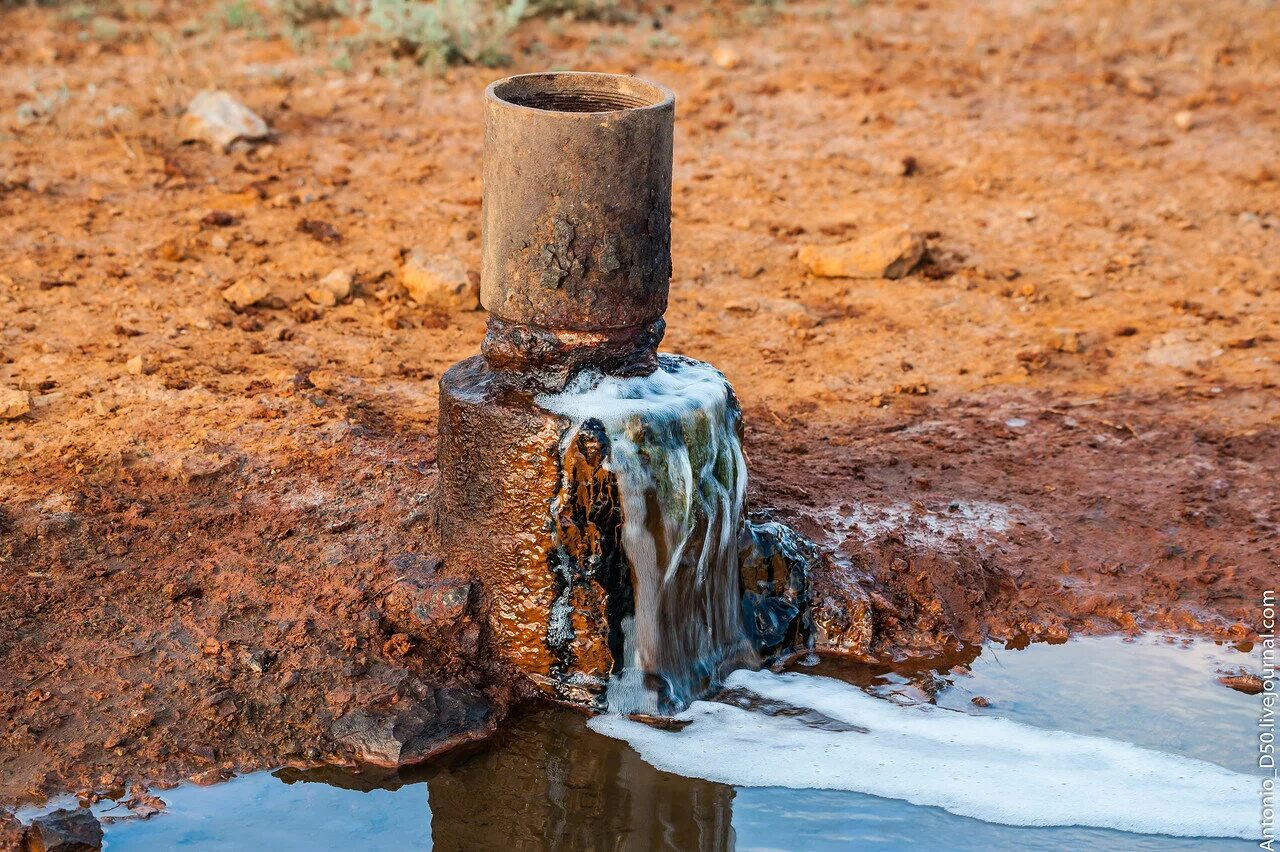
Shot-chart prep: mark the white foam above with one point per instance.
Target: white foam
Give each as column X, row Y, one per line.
column 680, row 386
column 983, row 767
column 973, row 521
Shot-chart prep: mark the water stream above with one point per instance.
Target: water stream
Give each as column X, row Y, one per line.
column 675, row 449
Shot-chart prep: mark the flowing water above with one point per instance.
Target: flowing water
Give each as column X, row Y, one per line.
column 550, row 782
column 675, row 449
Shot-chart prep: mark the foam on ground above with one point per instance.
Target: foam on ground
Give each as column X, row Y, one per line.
column 983, row 767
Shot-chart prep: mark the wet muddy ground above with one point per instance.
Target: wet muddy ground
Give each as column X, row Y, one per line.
column 1063, row 422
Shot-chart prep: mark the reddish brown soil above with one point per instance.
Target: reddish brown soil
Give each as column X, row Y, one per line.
column 1095, row 270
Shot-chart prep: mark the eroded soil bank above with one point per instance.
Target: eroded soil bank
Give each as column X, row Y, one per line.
column 215, row 537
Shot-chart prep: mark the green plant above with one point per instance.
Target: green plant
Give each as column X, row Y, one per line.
column 760, row 12
column 240, row 15
column 81, row 13
column 447, row 32
column 105, row 29
column 41, row 108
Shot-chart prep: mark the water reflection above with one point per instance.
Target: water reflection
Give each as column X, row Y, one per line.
column 552, row 784
column 549, row 783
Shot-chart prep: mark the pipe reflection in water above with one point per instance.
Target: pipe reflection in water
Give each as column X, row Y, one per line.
column 552, row 784
column 547, row 782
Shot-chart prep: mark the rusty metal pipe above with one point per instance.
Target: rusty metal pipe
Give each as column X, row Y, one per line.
column 577, row 221
column 577, row 264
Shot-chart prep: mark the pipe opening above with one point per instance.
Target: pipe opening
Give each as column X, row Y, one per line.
column 579, row 92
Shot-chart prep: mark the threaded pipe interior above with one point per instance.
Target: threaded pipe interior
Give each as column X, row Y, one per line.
column 579, row 92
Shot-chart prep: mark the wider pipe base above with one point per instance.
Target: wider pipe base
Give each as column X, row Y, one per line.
column 556, row 598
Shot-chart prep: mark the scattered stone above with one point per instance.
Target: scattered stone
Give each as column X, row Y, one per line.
column 889, row 253
column 14, row 403
column 145, row 810
column 218, row 219
column 331, row 289
column 1184, row 120
column 135, row 365
column 256, row 660
column 218, row 118
column 211, row 776
column 174, row 250
column 203, row 465
column 1179, row 350
column 726, row 57
column 426, row 608
column 895, row 166
column 776, row 563
column 979, row 701
column 439, row 281
column 11, row 831
column 1249, row 684
column 319, row 230
column 246, row 292
column 1069, row 343
column 410, row 732
column 65, row 831
column 1143, row 87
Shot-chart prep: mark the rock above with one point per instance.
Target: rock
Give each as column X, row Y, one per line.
column 1139, row 85
column 12, row 832
column 13, row 403
column 256, row 660
column 1249, row 684
column 426, row 608
column 219, row 119
column 889, row 253
column 412, row 731
column 135, row 365
column 1184, row 120
column 331, row 289
column 1179, row 350
column 726, row 57
column 895, row 166
column 246, row 292
column 65, row 831
column 979, row 701
column 775, row 564
column 440, row 281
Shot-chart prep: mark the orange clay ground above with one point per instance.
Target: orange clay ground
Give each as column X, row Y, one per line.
column 1063, row 421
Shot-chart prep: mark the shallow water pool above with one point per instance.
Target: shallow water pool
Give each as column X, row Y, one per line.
column 550, row 782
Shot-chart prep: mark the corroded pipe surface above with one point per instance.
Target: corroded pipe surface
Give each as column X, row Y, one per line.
column 577, row 219
column 530, row 502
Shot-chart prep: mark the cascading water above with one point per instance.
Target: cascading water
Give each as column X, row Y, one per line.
column 674, row 447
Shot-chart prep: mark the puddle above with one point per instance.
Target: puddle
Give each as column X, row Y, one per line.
column 550, row 782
